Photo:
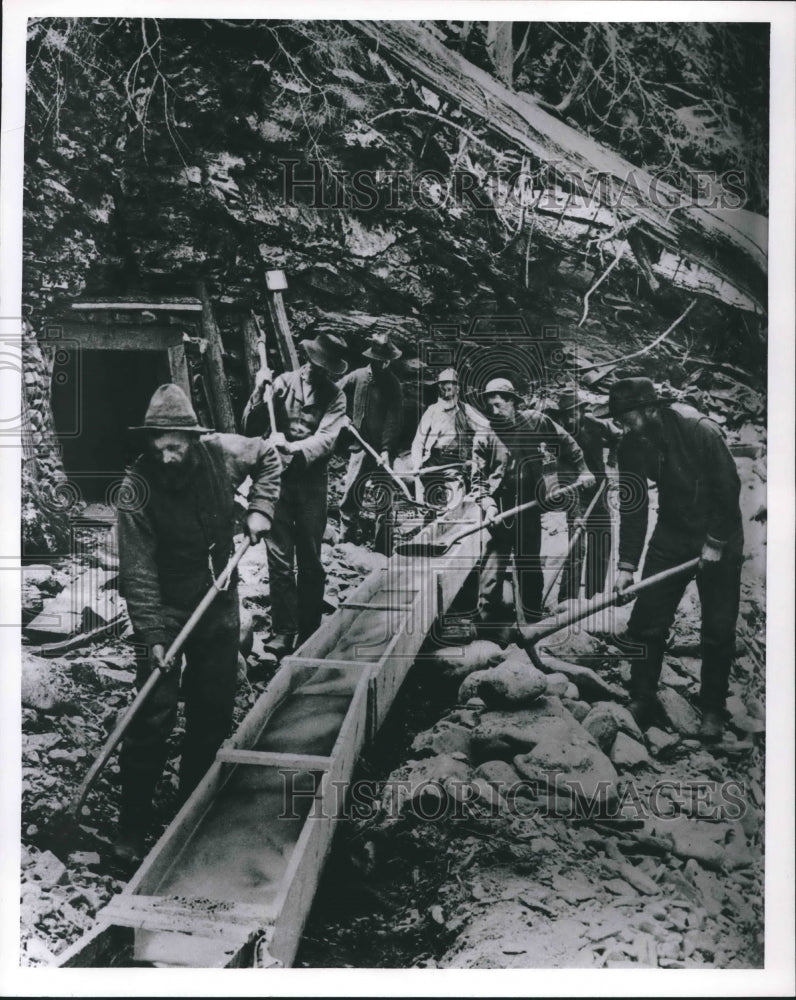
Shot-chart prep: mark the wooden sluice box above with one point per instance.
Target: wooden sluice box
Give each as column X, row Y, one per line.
column 232, row 879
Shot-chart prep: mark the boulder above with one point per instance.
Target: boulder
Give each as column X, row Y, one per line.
column 660, row 742
column 589, row 683
column 624, row 720
column 459, row 661
column 557, row 684
column 498, row 773
column 579, row 709
column 574, row 644
column 500, row 735
column 45, row 687
column 445, row 738
column 566, row 755
column 627, row 752
column 512, row 682
column 602, row 726
column 47, row 870
column 425, row 787
column 682, row 717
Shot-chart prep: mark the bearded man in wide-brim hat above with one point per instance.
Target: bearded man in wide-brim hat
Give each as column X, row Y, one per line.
column 699, row 515
column 310, row 413
column 375, row 407
column 175, row 522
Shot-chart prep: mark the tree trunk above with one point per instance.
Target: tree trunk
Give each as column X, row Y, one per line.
column 730, row 245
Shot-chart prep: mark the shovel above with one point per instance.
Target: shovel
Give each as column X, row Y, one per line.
column 63, row 823
column 575, row 539
column 434, row 549
column 383, row 465
column 531, row 634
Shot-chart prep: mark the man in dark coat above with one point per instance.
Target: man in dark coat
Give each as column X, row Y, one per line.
column 175, row 537
column 685, row 454
column 508, row 471
column 375, row 406
column 594, row 543
column 310, row 413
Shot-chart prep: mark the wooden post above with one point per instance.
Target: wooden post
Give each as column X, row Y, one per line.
column 223, row 415
column 178, row 369
column 250, row 351
column 284, row 338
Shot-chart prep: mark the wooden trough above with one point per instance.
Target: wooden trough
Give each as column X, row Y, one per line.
column 231, row 881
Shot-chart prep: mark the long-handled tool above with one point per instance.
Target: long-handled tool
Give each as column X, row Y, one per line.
column 60, row 824
column 574, row 540
column 531, row 634
column 382, row 464
column 268, row 375
column 433, row 549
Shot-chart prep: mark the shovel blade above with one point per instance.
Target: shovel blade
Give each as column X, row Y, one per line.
column 414, row 549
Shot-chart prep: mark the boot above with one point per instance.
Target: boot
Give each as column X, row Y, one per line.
column 711, row 728
column 281, row 644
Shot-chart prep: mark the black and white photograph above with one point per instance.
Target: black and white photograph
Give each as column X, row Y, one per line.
column 398, row 499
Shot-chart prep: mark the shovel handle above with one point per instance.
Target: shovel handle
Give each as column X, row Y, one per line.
column 133, row 708
column 574, row 541
column 533, row 633
column 379, row 461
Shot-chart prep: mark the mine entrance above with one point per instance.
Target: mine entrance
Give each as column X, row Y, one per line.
column 96, row 396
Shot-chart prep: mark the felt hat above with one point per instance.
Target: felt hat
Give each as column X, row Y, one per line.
column 381, row 348
column 501, row 385
column 170, row 410
column 325, row 351
column 631, row 394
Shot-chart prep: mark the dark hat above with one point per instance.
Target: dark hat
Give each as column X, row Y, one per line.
column 569, row 400
column 381, row 348
column 501, row 385
column 631, row 394
column 325, row 351
column 170, row 410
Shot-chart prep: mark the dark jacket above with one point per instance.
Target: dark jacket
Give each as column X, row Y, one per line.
column 698, row 485
column 375, row 405
column 168, row 538
column 509, row 460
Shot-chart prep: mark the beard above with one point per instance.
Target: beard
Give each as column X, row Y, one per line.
column 173, row 477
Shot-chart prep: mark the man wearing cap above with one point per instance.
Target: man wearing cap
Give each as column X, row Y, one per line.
column 175, row 524
column 447, row 429
column 310, row 413
column 508, row 471
column 699, row 515
column 375, row 406
column 593, row 436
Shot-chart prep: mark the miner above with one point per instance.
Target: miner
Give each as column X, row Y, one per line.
column 310, row 413
column 375, row 406
column 509, row 471
column 594, row 543
column 684, row 453
column 175, row 537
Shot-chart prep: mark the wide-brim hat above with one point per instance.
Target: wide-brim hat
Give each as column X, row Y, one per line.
column 630, row 394
column 170, row 410
column 569, row 400
column 325, row 351
column 501, row 385
column 447, row 375
column 381, row 348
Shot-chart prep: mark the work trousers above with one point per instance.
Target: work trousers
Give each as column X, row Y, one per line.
column 594, row 545
column 296, row 574
column 719, row 586
column 367, row 487
column 522, row 536
column 208, row 686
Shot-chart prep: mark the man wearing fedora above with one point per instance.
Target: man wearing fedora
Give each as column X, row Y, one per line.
column 593, row 437
column 310, row 413
column 509, row 471
column 685, row 454
column 175, row 525
column 375, row 406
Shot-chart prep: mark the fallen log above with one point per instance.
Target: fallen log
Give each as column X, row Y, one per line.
column 730, row 245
